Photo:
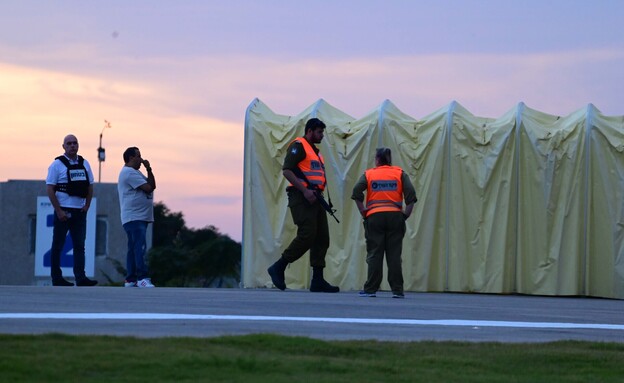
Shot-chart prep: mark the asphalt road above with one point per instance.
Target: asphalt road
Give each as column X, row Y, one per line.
column 164, row 312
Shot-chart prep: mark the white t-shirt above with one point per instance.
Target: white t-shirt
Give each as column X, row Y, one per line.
column 57, row 174
column 135, row 204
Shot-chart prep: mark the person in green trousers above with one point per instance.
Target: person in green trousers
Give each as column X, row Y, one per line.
column 386, row 187
column 305, row 170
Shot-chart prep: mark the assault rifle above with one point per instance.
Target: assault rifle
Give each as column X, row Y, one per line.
column 329, row 207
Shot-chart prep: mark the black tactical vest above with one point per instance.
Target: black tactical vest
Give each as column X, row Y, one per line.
column 78, row 179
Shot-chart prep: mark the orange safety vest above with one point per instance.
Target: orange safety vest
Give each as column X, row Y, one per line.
column 312, row 166
column 385, row 189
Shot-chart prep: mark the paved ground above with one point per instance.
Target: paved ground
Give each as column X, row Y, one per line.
column 162, row 312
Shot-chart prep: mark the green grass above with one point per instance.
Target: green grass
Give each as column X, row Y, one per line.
column 275, row 359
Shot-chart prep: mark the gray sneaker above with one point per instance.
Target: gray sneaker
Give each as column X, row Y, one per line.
column 145, row 283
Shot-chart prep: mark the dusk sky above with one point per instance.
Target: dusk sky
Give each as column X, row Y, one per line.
column 175, row 77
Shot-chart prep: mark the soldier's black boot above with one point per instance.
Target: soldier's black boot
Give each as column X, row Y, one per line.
column 319, row 284
column 276, row 271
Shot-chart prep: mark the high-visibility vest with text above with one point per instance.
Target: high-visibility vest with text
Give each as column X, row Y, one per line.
column 385, row 189
column 312, row 166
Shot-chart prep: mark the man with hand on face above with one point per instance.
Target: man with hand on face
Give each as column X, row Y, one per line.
column 303, row 159
column 136, row 201
column 70, row 189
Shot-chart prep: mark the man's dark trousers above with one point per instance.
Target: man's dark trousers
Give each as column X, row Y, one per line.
column 312, row 230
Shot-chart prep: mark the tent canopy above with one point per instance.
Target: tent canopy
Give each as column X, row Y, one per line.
column 525, row 203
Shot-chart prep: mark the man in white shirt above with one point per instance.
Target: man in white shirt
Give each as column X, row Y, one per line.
column 136, row 201
column 70, row 189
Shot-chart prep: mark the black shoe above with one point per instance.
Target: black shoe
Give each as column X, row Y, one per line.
column 86, row 282
column 61, row 282
column 277, row 276
column 322, row 286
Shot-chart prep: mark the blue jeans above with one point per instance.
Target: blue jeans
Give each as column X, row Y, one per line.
column 135, row 263
column 76, row 224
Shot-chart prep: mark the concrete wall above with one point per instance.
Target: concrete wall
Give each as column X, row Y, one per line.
column 18, row 206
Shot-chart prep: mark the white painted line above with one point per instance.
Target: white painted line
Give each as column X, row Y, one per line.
column 408, row 322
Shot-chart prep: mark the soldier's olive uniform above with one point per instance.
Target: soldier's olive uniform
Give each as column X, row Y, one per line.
column 311, row 219
column 384, row 234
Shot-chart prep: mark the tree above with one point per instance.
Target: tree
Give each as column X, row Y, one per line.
column 183, row 257
column 167, row 225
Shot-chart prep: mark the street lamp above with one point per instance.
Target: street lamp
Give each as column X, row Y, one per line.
column 102, row 151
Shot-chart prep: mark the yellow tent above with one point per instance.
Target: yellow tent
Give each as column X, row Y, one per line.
column 525, row 203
